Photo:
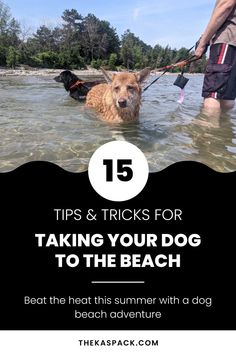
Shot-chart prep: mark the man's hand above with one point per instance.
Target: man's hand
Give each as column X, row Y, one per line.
column 200, row 48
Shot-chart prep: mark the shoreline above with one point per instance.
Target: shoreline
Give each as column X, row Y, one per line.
column 5, row 72
column 45, row 72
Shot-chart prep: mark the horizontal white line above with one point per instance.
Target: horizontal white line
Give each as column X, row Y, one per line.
column 118, row 282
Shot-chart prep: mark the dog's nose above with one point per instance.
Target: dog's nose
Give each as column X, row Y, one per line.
column 57, row 79
column 122, row 103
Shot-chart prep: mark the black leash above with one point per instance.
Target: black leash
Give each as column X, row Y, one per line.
column 153, row 82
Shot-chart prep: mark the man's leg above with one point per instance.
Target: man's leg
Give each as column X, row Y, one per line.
column 212, row 111
column 219, row 87
column 211, row 105
column 226, row 105
column 210, row 114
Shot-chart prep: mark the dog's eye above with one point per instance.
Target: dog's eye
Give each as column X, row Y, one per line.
column 130, row 88
column 117, row 88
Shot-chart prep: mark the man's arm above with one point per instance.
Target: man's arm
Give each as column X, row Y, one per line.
column 222, row 10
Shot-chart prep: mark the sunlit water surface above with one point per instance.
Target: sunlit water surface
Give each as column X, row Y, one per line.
column 39, row 121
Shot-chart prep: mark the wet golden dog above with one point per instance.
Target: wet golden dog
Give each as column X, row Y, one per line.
column 118, row 101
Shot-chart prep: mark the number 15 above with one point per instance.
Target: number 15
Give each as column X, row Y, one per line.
column 124, row 172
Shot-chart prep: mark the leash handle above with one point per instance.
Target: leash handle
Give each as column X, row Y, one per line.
column 167, row 68
column 182, row 63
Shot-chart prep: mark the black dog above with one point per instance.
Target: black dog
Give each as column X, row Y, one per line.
column 78, row 88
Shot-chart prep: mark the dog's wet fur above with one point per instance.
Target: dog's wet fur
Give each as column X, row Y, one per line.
column 80, row 90
column 120, row 100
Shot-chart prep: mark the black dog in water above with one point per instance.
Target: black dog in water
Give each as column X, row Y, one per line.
column 78, row 88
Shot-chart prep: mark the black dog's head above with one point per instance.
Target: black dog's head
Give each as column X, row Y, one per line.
column 67, row 78
column 78, row 88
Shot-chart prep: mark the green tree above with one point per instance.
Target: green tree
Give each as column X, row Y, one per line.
column 45, row 59
column 44, row 39
column 12, row 57
column 109, row 40
column 134, row 52
column 199, row 66
column 5, row 17
column 71, row 29
column 112, row 61
column 91, row 37
column 99, row 39
column 127, row 52
column 9, row 32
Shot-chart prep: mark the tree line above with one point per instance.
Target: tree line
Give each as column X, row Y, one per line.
column 80, row 42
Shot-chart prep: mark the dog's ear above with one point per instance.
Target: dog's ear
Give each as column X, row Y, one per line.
column 142, row 75
column 106, row 75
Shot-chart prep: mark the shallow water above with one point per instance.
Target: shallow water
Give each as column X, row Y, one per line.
column 38, row 121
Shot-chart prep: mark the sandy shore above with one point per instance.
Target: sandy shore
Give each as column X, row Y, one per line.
column 45, row 72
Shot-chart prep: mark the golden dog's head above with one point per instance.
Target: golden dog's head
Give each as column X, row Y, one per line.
column 126, row 88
